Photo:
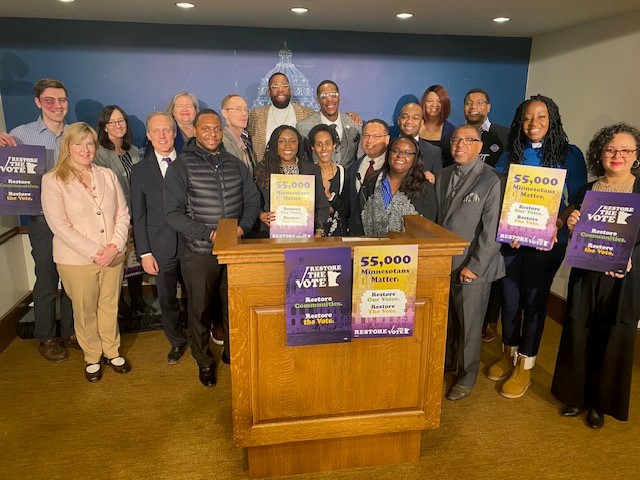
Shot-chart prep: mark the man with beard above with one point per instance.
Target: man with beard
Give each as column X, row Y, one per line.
column 348, row 131
column 282, row 111
column 494, row 137
column 204, row 184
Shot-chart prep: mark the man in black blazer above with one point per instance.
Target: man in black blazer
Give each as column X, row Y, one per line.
column 375, row 138
column 161, row 248
column 477, row 106
column 410, row 120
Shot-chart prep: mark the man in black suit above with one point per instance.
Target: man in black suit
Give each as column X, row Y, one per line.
column 410, row 120
column 161, row 248
column 477, row 106
column 375, row 138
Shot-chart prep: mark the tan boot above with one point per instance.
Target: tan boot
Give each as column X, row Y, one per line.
column 520, row 378
column 502, row 368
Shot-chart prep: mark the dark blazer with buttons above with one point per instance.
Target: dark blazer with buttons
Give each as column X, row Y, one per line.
column 501, row 132
column 151, row 231
column 431, row 156
column 474, row 214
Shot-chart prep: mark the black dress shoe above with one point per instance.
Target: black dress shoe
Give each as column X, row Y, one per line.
column 595, row 419
column 95, row 376
column 208, row 375
column 124, row 368
column 225, row 358
column 175, row 354
column 570, row 411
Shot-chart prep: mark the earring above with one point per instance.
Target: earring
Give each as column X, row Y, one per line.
column 636, row 164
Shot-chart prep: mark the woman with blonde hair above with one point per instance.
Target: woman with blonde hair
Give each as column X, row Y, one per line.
column 86, row 210
column 183, row 108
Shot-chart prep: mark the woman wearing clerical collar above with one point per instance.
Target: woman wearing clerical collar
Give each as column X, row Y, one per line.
column 536, row 138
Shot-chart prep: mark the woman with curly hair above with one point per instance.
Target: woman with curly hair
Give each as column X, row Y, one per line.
column 436, row 107
column 323, row 140
column 285, row 155
column 595, row 358
column 399, row 188
column 538, row 139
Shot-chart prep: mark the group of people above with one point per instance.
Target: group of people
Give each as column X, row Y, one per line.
column 196, row 170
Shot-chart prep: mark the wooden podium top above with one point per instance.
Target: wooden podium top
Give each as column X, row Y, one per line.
column 431, row 238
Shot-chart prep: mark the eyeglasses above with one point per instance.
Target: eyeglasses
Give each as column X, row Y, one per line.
column 50, row 101
column 406, row 153
column 113, row 123
column 367, row 136
column 479, row 103
column 238, row 109
column 331, row 95
column 276, row 86
column 466, row 140
column 612, row 152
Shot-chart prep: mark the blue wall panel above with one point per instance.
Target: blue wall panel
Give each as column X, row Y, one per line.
column 140, row 66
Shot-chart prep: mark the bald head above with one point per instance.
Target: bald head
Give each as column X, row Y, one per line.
column 410, row 119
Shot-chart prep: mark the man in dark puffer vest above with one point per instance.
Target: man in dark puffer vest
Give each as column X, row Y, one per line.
column 204, row 184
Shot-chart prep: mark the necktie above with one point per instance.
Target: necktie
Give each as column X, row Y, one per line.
column 370, row 170
column 251, row 159
column 167, row 159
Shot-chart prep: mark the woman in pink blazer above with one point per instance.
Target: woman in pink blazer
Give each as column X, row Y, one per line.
column 86, row 210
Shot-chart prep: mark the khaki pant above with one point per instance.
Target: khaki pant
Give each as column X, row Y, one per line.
column 94, row 293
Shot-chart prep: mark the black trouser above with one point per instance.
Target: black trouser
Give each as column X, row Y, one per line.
column 166, row 281
column 205, row 279
column 46, row 286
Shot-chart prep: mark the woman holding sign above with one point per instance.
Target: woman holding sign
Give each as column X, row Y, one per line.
column 398, row 189
column 323, row 140
column 595, row 358
column 536, row 139
column 285, row 156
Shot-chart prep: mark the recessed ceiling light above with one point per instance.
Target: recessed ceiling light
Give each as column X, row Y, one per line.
column 185, row 5
column 404, row 15
column 501, row 19
column 67, row 1
column 299, row 10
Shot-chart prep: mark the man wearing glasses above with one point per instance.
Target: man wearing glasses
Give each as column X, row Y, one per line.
column 348, row 131
column 282, row 111
column 235, row 137
column 375, row 138
column 477, row 106
column 50, row 96
column 468, row 195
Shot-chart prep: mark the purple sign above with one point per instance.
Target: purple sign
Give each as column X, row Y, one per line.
column 604, row 236
column 318, row 295
column 21, row 170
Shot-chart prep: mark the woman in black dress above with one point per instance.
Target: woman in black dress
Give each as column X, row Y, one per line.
column 323, row 140
column 286, row 155
column 595, row 358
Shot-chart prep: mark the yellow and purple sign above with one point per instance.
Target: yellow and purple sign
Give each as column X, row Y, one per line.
column 293, row 202
column 530, row 208
column 384, row 290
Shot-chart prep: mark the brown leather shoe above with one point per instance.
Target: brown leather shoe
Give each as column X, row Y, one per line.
column 53, row 351
column 217, row 334
column 72, row 342
column 124, row 368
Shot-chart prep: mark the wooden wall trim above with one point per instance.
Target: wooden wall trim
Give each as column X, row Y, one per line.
column 9, row 321
column 556, row 308
column 9, row 234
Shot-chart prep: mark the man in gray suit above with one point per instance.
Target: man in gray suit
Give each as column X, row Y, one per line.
column 469, row 194
column 348, row 131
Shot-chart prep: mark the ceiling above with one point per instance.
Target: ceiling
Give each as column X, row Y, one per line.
column 462, row 17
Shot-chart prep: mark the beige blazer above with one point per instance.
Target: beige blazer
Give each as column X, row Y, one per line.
column 257, row 125
column 81, row 224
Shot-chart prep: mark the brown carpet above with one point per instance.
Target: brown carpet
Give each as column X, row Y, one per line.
column 158, row 422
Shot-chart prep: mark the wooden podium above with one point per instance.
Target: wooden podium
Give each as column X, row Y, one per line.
column 333, row 406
